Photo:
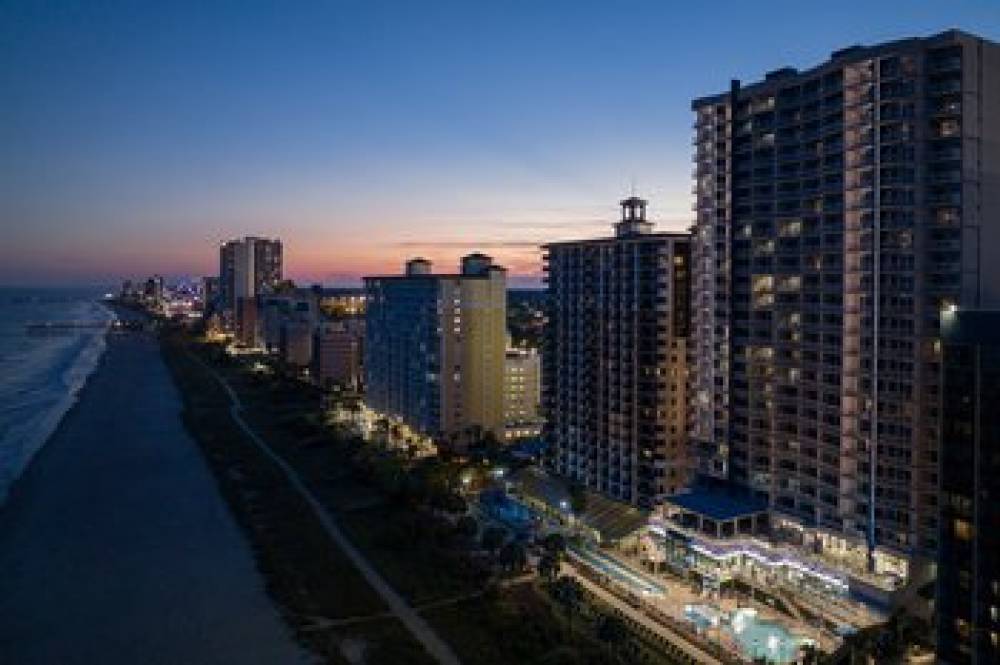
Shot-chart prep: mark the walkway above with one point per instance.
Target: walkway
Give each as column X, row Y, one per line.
column 639, row 617
column 419, row 628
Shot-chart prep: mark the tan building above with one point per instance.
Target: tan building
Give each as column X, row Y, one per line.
column 337, row 356
column 434, row 349
column 522, row 388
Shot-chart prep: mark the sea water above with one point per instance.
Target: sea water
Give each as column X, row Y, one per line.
column 41, row 373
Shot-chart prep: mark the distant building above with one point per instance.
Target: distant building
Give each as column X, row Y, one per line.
column 247, row 268
column 614, row 359
column 522, row 389
column 434, row 348
column 337, row 355
column 209, row 295
column 968, row 586
column 340, row 303
column 247, row 322
column 296, row 342
column 280, row 309
column 153, row 291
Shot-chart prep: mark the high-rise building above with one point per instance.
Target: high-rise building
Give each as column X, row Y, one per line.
column 434, row 348
column 522, row 391
column 247, row 267
column 968, row 587
column 614, row 360
column 839, row 210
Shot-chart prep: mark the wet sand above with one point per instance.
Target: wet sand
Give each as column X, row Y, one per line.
column 115, row 545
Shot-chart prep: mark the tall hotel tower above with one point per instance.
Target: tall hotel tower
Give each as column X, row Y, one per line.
column 614, row 360
column 435, row 347
column 840, row 210
column 246, row 266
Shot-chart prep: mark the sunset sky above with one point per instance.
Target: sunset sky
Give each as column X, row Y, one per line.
column 134, row 136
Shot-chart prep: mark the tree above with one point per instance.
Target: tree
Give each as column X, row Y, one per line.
column 493, row 538
column 613, row 632
column 548, row 564
column 467, row 527
column 568, row 593
column 513, row 556
column 578, row 498
column 555, row 543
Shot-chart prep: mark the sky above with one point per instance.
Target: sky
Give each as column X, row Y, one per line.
column 135, row 136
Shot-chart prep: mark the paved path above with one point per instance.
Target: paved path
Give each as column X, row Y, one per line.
column 671, row 636
column 416, row 624
column 116, row 546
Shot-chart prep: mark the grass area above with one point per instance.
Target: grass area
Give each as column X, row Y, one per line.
column 522, row 624
column 424, row 555
column 311, row 580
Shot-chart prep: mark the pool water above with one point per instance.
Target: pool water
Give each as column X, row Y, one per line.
column 509, row 511
column 756, row 637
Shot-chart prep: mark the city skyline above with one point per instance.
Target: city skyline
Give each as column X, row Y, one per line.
column 138, row 136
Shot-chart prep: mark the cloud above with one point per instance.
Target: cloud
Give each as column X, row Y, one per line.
column 466, row 244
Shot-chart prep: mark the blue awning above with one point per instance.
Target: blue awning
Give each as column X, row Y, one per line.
column 718, row 503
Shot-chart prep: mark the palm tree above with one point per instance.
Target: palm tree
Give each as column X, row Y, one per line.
column 567, row 593
column 548, row 564
column 513, row 556
column 613, row 632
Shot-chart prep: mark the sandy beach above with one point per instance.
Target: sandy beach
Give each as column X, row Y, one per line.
column 115, row 545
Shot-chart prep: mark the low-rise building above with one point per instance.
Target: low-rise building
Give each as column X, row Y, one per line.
column 337, row 354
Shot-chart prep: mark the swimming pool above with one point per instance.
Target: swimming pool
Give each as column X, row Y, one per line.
column 511, row 512
column 616, row 571
column 757, row 638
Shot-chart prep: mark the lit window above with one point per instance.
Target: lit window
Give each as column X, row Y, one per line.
column 963, row 530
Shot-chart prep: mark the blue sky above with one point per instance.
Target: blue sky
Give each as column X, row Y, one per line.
column 137, row 135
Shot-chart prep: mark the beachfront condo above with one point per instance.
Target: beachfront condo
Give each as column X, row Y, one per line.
column 247, row 267
column 839, row 210
column 522, row 391
column 968, row 585
column 614, row 360
column 434, row 349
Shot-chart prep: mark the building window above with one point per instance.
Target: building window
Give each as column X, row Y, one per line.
column 963, row 530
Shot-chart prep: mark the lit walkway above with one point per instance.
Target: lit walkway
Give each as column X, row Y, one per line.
column 419, row 628
column 640, row 617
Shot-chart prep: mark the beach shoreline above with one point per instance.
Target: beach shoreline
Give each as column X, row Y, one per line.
column 84, row 364
column 119, row 546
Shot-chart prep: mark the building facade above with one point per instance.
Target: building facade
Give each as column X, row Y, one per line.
column 838, row 211
column 434, row 348
column 614, row 360
column 968, row 585
column 522, row 392
column 337, row 356
column 247, row 267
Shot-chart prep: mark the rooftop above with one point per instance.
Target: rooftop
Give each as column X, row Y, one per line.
column 613, row 520
column 718, row 503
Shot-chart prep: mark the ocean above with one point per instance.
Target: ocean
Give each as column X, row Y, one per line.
column 41, row 373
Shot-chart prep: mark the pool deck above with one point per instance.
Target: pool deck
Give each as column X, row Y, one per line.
column 638, row 616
